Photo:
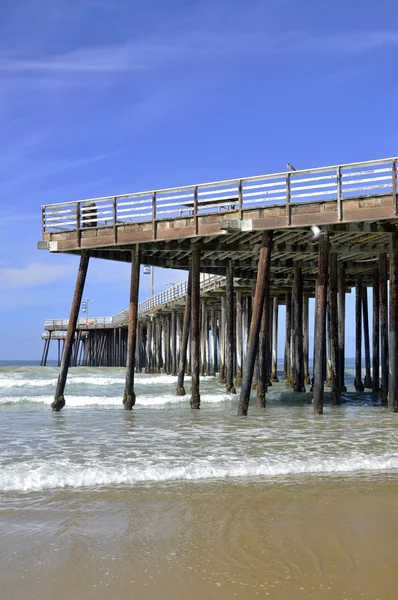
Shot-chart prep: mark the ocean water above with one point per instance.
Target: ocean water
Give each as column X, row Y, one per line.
column 77, row 482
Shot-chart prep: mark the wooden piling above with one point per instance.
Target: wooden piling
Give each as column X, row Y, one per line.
column 384, row 350
column 129, row 394
column 195, row 329
column 368, row 383
column 262, row 351
column 274, row 363
column 393, row 358
column 298, row 331
column 59, row 400
column 306, row 340
column 185, row 335
column 222, row 372
column 213, row 324
column 334, row 331
column 202, row 337
column 358, row 336
column 174, row 343
column 320, row 323
column 341, row 327
column 263, row 273
column 376, row 332
column 239, row 339
column 229, row 343
column 286, row 366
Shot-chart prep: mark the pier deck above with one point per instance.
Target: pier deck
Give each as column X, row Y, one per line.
column 357, row 203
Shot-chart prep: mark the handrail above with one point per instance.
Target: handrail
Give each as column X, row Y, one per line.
column 91, row 322
column 173, row 293
column 320, row 184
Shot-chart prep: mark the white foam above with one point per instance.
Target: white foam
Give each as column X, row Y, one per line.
column 47, row 476
column 81, row 401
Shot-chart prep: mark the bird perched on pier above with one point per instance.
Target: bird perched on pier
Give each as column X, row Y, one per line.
column 290, row 167
column 316, row 232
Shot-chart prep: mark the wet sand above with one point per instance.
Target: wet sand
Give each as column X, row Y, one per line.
column 311, row 537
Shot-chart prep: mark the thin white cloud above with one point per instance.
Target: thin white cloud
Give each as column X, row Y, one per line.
column 150, row 53
column 33, row 275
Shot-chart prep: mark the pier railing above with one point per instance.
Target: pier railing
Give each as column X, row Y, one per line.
column 311, row 185
column 173, row 293
column 91, row 322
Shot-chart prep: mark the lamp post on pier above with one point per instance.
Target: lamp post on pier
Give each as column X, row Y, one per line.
column 85, row 307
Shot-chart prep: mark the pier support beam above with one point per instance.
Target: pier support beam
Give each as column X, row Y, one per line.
column 341, row 327
column 298, row 331
column 393, row 358
column 358, row 337
column 306, row 340
column 383, row 328
column 221, row 339
column 229, row 345
column 263, row 276
column 287, row 366
column 129, row 394
column 213, row 325
column 185, row 336
column 174, row 343
column 368, row 383
column 334, row 332
column 320, row 324
column 262, row 355
column 239, row 338
column 376, row 332
column 274, row 367
column 195, row 329
column 59, row 400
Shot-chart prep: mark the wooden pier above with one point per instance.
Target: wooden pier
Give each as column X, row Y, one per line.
column 255, row 233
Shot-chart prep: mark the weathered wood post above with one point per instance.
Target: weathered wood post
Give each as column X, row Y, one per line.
column 149, row 342
column 269, row 340
column 195, row 329
column 239, row 347
column 185, row 335
column 383, row 328
column 263, row 274
column 208, row 348
column 393, row 358
column 274, row 367
column 174, row 343
column 229, row 345
column 368, row 383
column 168, row 346
column 376, row 332
column 320, row 323
column 213, row 324
column 306, row 340
column 164, row 345
column 202, row 338
column 358, row 336
column 287, row 366
column 59, row 400
column 129, row 394
column 222, row 373
column 262, row 350
column 341, row 328
column 334, row 331
column 298, row 384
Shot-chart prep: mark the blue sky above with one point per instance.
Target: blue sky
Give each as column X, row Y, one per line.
column 102, row 97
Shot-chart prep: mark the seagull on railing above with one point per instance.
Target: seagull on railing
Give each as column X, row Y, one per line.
column 316, row 232
column 290, row 167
